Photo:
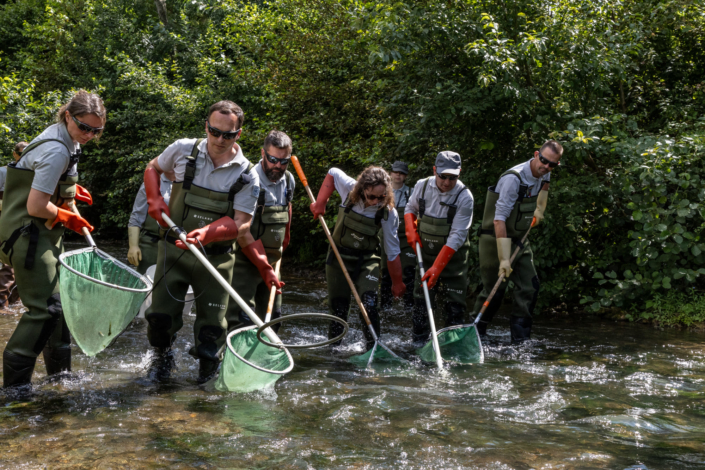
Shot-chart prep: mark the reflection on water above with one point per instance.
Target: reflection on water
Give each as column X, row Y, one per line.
column 585, row 394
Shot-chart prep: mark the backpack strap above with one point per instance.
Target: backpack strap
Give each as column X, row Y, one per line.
column 190, row 172
column 244, row 179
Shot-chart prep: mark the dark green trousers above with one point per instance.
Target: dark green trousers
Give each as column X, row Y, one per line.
column 249, row 284
column 165, row 314
column 149, row 247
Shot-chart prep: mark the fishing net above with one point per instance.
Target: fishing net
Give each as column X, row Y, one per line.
column 258, row 365
column 378, row 356
column 100, row 297
column 460, row 343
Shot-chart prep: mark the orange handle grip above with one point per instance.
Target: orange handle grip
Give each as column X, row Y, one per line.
column 299, row 170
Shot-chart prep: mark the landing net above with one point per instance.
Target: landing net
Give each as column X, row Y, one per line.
column 460, row 344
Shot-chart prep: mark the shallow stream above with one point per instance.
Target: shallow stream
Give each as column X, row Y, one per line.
column 587, row 393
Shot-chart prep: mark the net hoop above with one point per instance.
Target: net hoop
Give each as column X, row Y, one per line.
column 324, row 316
column 262, row 369
column 106, row 256
column 469, row 325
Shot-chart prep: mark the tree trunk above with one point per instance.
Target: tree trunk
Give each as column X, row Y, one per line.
column 161, row 11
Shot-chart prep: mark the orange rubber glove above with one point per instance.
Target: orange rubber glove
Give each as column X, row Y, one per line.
column 217, row 231
column 71, row 221
column 156, row 202
column 327, row 188
column 83, row 195
column 398, row 287
column 432, row 275
column 255, row 253
column 412, row 235
column 287, row 235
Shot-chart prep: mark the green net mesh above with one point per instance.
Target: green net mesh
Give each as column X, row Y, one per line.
column 237, row 376
column 458, row 344
column 97, row 312
column 380, row 356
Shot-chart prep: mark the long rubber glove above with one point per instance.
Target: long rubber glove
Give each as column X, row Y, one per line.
column 217, row 231
column 83, row 195
column 134, row 254
column 287, row 235
column 541, row 204
column 412, row 235
column 504, row 252
column 398, row 286
column 432, row 275
column 71, row 221
column 327, row 188
column 156, row 202
column 255, row 253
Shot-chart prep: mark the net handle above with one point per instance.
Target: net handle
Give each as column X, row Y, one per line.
column 84, row 230
column 104, row 255
column 434, row 335
column 324, row 316
column 261, row 369
column 272, row 293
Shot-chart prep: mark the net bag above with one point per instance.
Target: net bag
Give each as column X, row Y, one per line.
column 377, row 356
column 100, row 297
column 460, row 343
column 258, row 365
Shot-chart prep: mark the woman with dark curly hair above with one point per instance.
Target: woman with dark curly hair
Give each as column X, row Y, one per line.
column 368, row 206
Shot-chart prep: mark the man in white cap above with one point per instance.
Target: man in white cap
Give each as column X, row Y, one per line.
column 438, row 216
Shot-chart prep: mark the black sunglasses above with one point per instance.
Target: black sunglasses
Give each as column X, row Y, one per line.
column 372, row 197
column 447, row 177
column 281, row 161
column 548, row 162
column 83, row 127
column 226, row 135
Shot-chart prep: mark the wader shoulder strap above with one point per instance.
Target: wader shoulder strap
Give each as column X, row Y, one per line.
column 36, row 144
column 382, row 213
column 452, row 208
column 73, row 160
column 289, row 192
column 422, row 200
column 190, row 172
column 243, row 180
column 523, row 188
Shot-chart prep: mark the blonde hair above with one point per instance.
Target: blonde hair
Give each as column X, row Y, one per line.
column 369, row 178
column 82, row 103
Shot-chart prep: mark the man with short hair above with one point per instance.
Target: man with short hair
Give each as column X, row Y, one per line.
column 438, row 216
column 213, row 198
column 517, row 201
column 268, row 236
column 402, row 193
column 8, row 286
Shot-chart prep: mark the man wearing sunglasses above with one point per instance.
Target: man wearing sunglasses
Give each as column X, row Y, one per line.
column 268, row 236
column 517, row 202
column 438, row 217
column 213, row 198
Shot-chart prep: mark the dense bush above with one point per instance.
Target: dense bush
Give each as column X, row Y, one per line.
column 355, row 83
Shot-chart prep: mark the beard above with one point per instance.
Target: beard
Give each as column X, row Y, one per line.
column 274, row 174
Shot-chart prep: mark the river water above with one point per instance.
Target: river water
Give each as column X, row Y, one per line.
column 586, row 393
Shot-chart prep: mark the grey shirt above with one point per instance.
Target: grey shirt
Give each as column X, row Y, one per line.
column 344, row 185
column 508, row 189
column 274, row 191
column 140, row 207
column 50, row 160
column 463, row 217
column 3, row 177
column 207, row 176
column 401, row 196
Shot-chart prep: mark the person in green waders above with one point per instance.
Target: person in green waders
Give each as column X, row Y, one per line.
column 143, row 231
column 402, row 193
column 268, row 236
column 213, row 198
column 520, row 196
column 39, row 195
column 368, row 205
column 438, row 216
column 8, row 287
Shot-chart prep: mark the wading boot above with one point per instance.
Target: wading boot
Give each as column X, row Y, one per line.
column 162, row 365
column 369, row 301
column 17, row 370
column 57, row 360
column 455, row 314
column 520, row 328
column 419, row 319
column 206, row 370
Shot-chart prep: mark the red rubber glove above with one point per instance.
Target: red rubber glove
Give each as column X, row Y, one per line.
column 412, row 236
column 432, row 275
column 255, row 253
column 398, row 287
column 217, row 231
column 71, row 221
column 287, row 235
column 83, row 195
column 327, row 188
column 156, row 202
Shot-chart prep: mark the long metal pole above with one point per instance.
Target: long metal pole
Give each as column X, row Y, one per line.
column 434, row 338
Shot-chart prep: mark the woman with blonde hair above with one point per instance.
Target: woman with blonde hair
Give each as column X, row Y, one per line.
column 368, row 206
column 37, row 207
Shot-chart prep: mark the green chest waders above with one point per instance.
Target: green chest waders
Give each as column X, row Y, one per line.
column 148, row 243
column 356, row 238
column 33, row 250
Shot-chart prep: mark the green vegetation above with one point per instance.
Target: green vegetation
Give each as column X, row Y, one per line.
column 621, row 83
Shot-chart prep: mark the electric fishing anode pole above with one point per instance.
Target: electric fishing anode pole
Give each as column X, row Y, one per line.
column 434, row 338
column 501, row 278
column 302, row 177
column 272, row 293
column 229, row 289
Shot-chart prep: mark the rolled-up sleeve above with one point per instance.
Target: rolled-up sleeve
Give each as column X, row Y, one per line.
column 390, row 228
column 508, row 189
column 412, row 206
column 246, row 199
column 462, row 221
column 139, row 209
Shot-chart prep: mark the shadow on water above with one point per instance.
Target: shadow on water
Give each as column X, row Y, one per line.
column 584, row 394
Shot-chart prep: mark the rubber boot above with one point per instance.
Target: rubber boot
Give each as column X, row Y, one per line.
column 520, row 328
column 57, row 360
column 369, row 301
column 455, row 314
column 419, row 319
column 339, row 308
column 385, row 291
column 409, row 276
column 162, row 365
column 17, row 370
column 206, row 370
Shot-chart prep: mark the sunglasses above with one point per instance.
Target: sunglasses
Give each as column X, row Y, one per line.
column 372, row 197
column 274, row 160
column 548, row 162
column 83, row 127
column 226, row 135
column 448, row 177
